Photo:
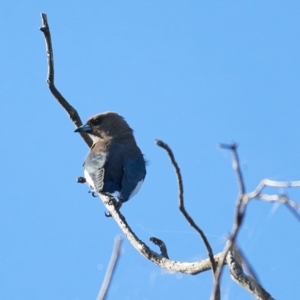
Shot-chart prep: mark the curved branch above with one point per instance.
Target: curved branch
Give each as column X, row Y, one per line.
column 239, row 214
column 71, row 111
column 192, row 268
column 111, row 268
column 273, row 183
column 162, row 246
column 186, row 214
column 250, row 284
column 293, row 206
column 230, row 252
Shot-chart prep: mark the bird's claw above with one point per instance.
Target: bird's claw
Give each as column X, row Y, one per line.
column 117, row 205
column 93, row 192
column 83, row 180
column 108, row 215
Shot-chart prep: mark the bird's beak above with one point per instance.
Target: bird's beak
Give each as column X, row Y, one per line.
column 84, row 128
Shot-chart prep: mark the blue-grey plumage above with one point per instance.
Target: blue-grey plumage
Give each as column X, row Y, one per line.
column 115, row 164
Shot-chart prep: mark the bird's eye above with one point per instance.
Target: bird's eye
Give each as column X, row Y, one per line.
column 97, row 121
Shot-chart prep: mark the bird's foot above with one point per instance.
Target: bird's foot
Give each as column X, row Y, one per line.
column 93, row 192
column 107, row 214
column 117, row 204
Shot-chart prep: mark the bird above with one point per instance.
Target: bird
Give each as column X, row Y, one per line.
column 115, row 165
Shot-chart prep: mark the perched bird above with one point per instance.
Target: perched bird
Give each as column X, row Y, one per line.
column 115, row 165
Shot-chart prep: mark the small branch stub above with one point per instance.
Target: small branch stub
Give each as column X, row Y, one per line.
column 162, row 246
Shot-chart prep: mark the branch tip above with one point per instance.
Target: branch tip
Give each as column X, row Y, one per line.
column 50, row 80
column 231, row 147
column 161, row 144
column 116, row 252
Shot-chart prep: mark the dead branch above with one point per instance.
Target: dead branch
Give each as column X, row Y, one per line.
column 239, row 214
column 185, row 213
column 71, row 111
column 293, row 206
column 238, row 220
column 111, row 268
column 235, row 261
column 233, row 256
column 192, row 268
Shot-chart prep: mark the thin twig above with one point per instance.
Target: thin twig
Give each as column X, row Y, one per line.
column 236, row 165
column 293, row 211
column 239, row 215
column 291, row 205
column 71, row 111
column 111, row 268
column 191, row 268
column 183, row 210
column 273, row 183
column 231, row 254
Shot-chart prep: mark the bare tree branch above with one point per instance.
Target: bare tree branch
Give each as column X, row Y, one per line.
column 238, row 217
column 291, row 205
column 293, row 211
column 236, row 165
column 231, row 255
column 71, row 111
column 192, row 268
column 185, row 213
column 273, row 183
column 234, row 260
column 111, row 268
column 245, row 262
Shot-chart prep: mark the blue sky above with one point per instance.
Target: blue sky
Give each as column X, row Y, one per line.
column 192, row 73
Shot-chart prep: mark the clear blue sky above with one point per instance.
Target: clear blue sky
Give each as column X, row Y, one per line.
column 192, row 73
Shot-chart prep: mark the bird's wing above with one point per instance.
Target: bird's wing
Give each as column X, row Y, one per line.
column 94, row 169
column 134, row 174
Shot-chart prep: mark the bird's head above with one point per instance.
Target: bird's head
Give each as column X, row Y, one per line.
column 106, row 125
